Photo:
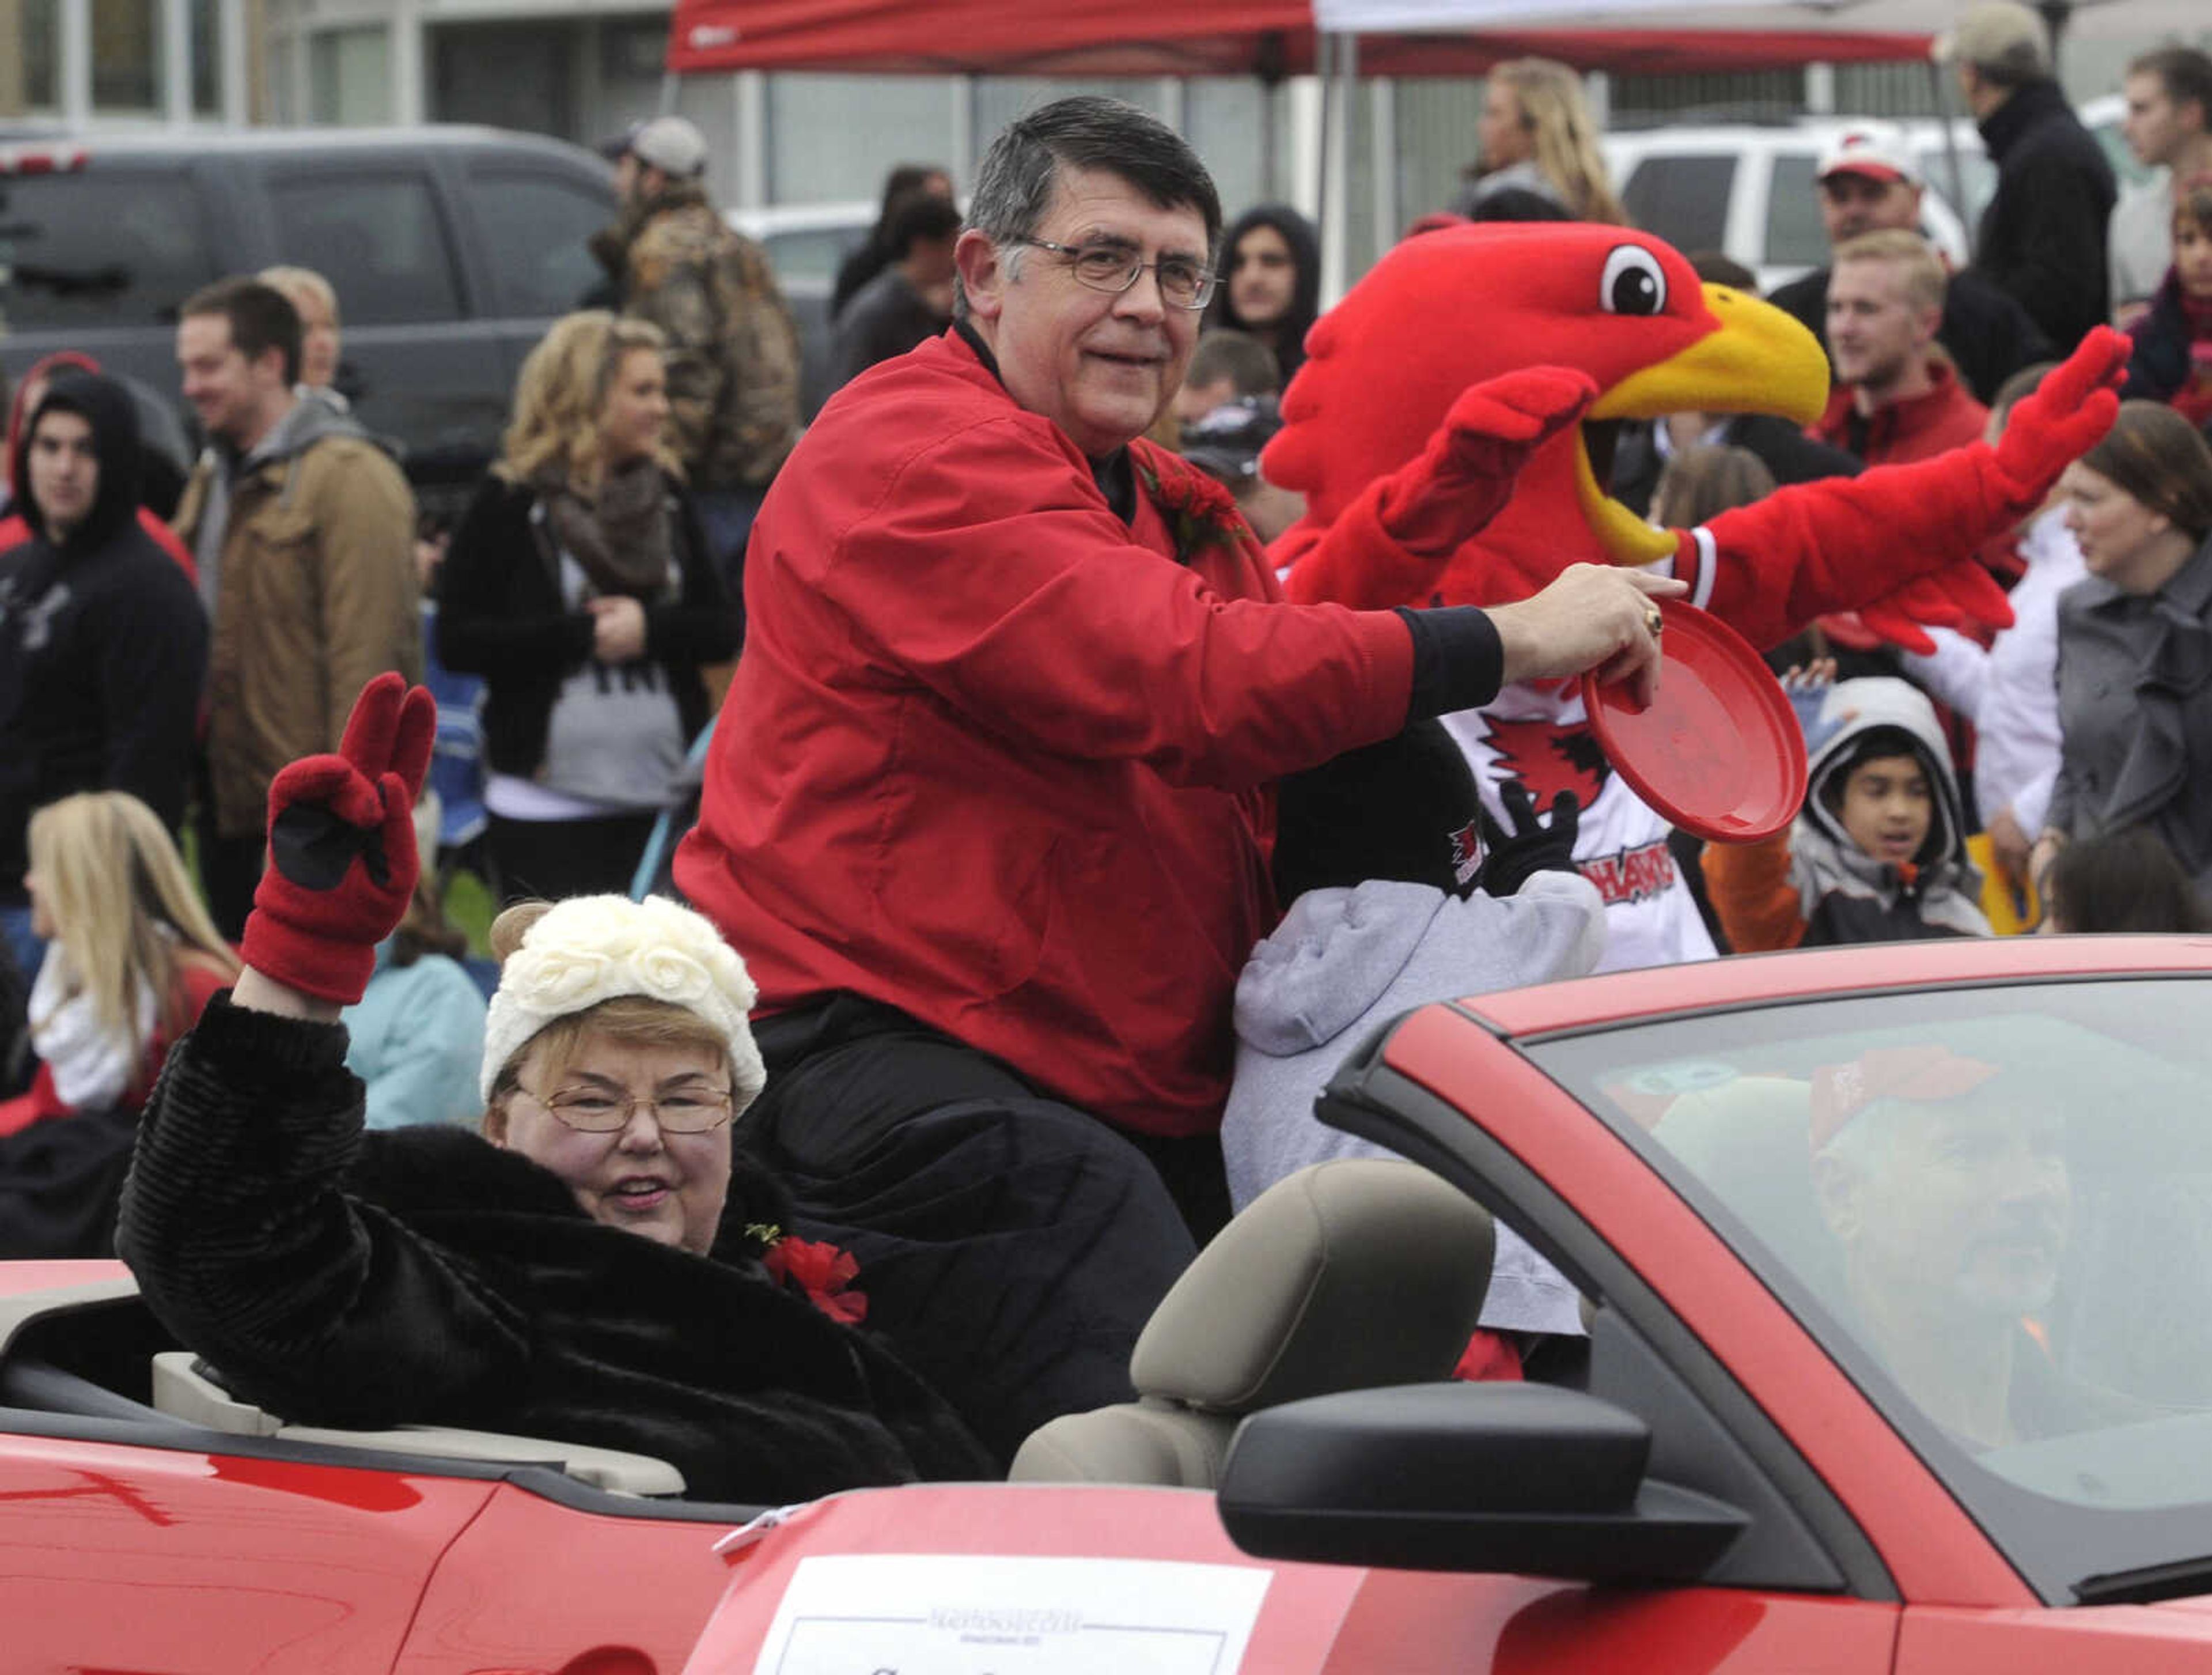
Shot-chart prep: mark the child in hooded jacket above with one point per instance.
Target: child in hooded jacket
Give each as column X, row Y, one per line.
column 1378, row 854
column 1878, row 852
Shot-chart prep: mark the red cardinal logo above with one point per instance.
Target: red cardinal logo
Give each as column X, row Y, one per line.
column 1548, row 759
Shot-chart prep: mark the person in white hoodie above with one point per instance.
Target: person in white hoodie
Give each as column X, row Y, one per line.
column 1378, row 854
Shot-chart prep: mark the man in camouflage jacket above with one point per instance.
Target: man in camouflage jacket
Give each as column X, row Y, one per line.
column 732, row 346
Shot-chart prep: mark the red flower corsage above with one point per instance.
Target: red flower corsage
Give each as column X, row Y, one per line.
column 1199, row 511
column 824, row 1272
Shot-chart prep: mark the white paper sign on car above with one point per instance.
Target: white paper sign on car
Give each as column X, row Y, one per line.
column 946, row 1614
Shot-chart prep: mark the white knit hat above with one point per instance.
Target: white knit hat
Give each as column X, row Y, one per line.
column 594, row 948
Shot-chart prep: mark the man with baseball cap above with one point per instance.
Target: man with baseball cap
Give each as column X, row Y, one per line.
column 2042, row 239
column 732, row 352
column 1946, row 1188
column 1871, row 182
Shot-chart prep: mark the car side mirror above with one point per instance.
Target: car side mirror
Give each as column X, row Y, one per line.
column 1513, row 1478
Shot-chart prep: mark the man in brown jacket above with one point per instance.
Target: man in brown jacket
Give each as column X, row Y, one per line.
column 304, row 533
column 732, row 345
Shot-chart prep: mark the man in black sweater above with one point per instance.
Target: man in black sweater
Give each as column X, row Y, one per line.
column 2042, row 238
column 1870, row 182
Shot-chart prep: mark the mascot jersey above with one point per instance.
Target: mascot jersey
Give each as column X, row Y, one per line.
column 1412, row 387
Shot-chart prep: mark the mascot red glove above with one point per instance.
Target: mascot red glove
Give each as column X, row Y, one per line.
column 2053, row 425
column 342, row 859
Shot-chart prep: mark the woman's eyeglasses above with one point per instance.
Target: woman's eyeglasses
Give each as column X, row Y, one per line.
column 598, row 1111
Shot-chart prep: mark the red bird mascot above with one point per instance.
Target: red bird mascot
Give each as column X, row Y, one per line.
column 1453, row 425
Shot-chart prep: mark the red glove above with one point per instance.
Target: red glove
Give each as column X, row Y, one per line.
column 1964, row 596
column 342, row 860
column 2063, row 418
column 1465, row 476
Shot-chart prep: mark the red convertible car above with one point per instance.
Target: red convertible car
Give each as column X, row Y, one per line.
column 1896, row 1264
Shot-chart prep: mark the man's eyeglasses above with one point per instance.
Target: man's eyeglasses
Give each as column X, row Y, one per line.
column 1115, row 268
column 599, row 1111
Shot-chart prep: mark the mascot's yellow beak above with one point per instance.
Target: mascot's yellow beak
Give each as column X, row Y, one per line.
column 1760, row 361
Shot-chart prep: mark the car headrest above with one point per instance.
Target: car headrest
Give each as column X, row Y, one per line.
column 1348, row 1274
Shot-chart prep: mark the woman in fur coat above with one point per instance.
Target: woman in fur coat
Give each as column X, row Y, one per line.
column 597, row 1266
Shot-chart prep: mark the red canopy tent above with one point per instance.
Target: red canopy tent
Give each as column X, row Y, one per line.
column 1270, row 39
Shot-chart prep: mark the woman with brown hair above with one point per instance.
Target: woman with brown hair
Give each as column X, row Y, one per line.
column 1537, row 133
column 2135, row 643
column 578, row 586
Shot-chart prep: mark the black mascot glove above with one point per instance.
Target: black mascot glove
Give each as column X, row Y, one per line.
column 1531, row 847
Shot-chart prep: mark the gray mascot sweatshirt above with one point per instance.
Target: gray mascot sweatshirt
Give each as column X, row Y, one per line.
column 1344, row 960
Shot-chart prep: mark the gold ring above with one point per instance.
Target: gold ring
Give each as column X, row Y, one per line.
column 1653, row 621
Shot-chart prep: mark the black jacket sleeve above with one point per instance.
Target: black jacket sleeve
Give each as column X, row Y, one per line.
column 496, row 617
column 246, row 1246
column 2044, row 245
column 153, row 660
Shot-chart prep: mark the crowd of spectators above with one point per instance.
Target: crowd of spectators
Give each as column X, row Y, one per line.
column 1043, row 831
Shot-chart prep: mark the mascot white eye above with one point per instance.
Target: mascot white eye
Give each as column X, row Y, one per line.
column 1633, row 283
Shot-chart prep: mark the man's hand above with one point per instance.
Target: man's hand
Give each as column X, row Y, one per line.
column 2009, row 844
column 1595, row 617
column 1465, row 476
column 617, row 629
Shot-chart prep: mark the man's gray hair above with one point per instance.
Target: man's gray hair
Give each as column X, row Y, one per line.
column 1014, row 187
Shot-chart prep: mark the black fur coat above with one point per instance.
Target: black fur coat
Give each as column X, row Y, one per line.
column 422, row 1276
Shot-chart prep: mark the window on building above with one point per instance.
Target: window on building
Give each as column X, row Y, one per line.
column 37, row 59
column 377, row 236
column 126, row 55
column 535, row 226
column 206, row 18
column 1000, row 99
column 519, row 76
column 349, row 77
column 1225, row 118
column 1682, row 199
column 99, row 248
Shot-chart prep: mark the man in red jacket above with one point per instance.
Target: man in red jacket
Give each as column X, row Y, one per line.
column 1898, row 397
column 989, row 810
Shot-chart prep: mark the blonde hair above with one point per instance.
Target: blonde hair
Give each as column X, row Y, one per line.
column 562, row 389
column 293, row 282
column 123, row 907
column 1924, row 278
column 630, row 1020
column 1563, row 135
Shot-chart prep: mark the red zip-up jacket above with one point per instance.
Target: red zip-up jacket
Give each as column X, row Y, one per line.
column 995, row 757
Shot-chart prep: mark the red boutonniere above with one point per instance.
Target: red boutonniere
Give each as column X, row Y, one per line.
column 824, row 1272
column 1201, row 513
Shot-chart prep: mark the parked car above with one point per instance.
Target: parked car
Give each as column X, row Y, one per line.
column 1747, row 191
column 1740, row 1476
column 452, row 249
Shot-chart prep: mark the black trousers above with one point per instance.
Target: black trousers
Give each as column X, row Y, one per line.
column 551, row 860
column 1011, row 1247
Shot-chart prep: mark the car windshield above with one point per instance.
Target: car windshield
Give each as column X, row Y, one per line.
column 1993, row 1209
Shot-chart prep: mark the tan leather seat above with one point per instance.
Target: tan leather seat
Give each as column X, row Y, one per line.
column 1347, row 1276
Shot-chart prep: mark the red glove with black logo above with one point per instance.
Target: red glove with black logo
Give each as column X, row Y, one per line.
column 342, row 859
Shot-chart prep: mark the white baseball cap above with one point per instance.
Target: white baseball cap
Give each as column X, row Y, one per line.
column 1878, row 152
column 670, row 145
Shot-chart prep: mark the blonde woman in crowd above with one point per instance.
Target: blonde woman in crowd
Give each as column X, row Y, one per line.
column 579, row 587
column 132, row 959
column 1537, row 134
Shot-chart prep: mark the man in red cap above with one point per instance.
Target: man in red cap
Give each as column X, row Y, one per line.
column 1950, row 1197
column 1870, row 182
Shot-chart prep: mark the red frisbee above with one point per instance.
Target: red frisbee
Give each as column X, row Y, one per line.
column 1719, row 752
